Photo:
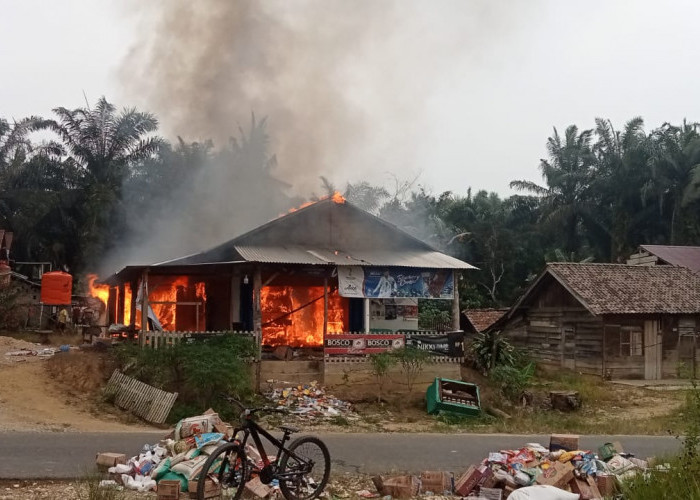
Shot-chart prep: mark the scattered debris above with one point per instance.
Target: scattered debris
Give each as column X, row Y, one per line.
column 561, row 472
column 311, row 402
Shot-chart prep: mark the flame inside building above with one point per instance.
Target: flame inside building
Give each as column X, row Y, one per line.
column 294, row 315
column 178, row 302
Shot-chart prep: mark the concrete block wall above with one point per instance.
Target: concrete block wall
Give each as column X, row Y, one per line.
column 355, row 380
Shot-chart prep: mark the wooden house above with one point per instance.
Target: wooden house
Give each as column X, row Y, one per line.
column 614, row 320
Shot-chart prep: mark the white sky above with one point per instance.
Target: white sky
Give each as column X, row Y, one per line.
column 484, row 104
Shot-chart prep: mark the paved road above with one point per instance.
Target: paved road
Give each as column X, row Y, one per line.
column 26, row 455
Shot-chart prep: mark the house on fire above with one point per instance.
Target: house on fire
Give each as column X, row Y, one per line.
column 327, row 268
column 613, row 320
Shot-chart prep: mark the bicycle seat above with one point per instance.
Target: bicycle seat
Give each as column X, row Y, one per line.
column 289, row 429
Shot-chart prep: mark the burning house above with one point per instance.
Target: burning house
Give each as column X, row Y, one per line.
column 322, row 270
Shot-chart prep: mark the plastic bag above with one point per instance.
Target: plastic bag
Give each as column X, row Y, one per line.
column 542, row 492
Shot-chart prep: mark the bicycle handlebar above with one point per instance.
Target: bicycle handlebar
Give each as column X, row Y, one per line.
column 251, row 411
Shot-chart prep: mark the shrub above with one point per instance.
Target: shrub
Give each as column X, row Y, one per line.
column 491, row 349
column 381, row 364
column 199, row 372
column 513, row 380
column 412, row 361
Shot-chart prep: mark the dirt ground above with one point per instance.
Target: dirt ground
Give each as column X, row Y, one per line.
column 61, row 394
column 55, row 394
column 339, row 486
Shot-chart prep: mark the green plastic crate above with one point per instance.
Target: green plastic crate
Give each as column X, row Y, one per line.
column 453, row 396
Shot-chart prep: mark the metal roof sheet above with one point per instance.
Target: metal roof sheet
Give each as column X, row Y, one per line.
column 293, row 254
column 682, row 256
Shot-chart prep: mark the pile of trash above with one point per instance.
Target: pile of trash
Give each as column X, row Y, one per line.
column 16, row 350
column 172, row 465
column 310, row 401
column 561, row 472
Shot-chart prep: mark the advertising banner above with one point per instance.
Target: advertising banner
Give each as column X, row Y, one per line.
column 395, row 282
column 450, row 344
column 362, row 343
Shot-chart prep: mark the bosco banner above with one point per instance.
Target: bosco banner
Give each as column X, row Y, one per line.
column 362, row 344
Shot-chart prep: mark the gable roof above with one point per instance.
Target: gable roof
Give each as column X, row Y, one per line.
column 327, row 233
column 482, row 319
column 622, row 289
column 682, row 256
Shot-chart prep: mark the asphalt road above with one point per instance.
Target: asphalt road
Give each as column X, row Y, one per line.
column 28, row 455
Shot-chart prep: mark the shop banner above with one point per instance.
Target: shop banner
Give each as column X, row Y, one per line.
column 362, row 343
column 395, row 282
column 451, row 344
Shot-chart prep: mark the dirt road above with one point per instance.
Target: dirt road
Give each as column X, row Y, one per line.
column 31, row 401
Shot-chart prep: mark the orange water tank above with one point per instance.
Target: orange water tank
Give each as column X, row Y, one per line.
column 56, row 288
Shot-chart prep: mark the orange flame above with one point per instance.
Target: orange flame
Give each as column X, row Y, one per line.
column 176, row 303
column 98, row 291
column 304, row 327
column 337, row 197
column 127, row 304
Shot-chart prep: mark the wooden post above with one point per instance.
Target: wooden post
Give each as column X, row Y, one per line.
column 120, row 304
column 235, row 306
column 144, row 307
column 257, row 322
column 325, row 308
column 456, row 313
column 365, row 304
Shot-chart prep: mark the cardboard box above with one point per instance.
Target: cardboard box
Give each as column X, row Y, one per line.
column 558, row 474
column 257, row 488
column 397, row 487
column 211, row 489
column 168, row 490
column 586, row 488
column 607, row 484
column 566, row 442
column 491, row 493
column 488, row 478
column 468, row 481
column 436, row 482
column 106, row 459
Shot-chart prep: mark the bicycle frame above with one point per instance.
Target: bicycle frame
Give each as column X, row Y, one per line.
column 253, row 429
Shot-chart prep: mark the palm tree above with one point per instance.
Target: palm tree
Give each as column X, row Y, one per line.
column 566, row 201
column 675, row 162
column 622, row 170
column 103, row 145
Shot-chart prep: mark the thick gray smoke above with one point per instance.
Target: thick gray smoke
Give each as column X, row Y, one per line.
column 203, row 66
column 346, row 86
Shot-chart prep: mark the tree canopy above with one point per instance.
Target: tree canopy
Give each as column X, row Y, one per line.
column 73, row 199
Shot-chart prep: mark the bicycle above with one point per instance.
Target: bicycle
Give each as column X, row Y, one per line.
column 296, row 466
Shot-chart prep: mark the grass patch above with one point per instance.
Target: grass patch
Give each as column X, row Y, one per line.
column 88, row 488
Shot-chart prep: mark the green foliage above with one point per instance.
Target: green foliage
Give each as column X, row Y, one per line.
column 381, row 364
column 199, row 372
column 11, row 314
column 491, row 349
column 513, row 380
column 432, row 313
column 412, row 361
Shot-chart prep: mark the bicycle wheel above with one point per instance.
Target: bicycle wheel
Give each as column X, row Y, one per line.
column 227, row 468
column 304, row 470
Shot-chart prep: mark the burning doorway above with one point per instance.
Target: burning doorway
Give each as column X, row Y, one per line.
column 294, row 316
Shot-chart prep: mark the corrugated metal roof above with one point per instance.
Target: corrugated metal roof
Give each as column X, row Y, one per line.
column 682, row 256
column 292, row 254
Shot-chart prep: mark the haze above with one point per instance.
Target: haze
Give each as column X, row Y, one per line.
column 465, row 92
